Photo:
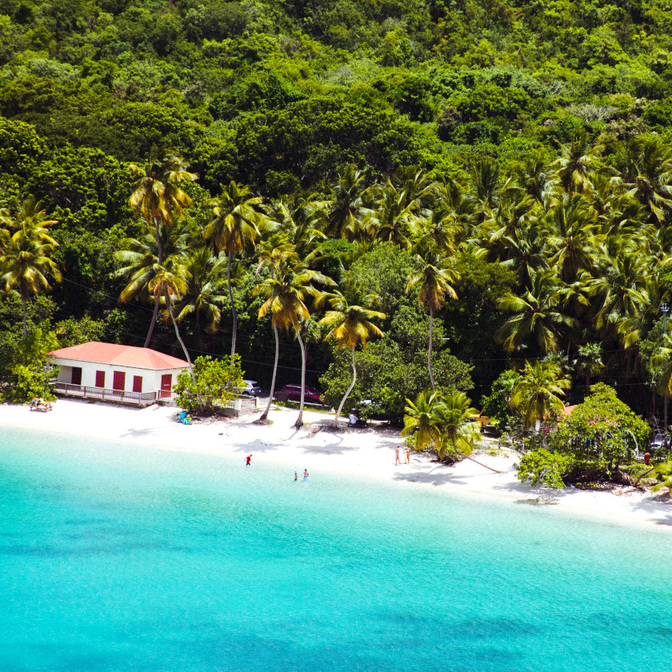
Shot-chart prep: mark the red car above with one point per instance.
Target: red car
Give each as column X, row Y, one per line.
column 293, row 393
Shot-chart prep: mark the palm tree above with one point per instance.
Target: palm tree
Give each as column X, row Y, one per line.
column 576, row 163
column 438, row 421
column 421, row 420
column 158, row 199
column 646, row 169
column 343, row 213
column 204, row 291
column 286, row 294
column 537, row 394
column 400, row 203
column 434, row 279
column 276, row 258
column 350, row 325
column 537, row 313
column 157, row 196
column 535, row 177
column 169, row 282
column 573, row 227
column 236, row 218
column 26, row 262
column 588, row 362
column 140, row 259
column 455, row 416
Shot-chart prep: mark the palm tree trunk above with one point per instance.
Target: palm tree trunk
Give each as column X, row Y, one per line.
column 152, row 324
column 234, row 328
column 429, row 349
column 184, row 350
column 159, row 246
column 302, row 345
column 264, row 415
column 24, row 301
column 347, row 393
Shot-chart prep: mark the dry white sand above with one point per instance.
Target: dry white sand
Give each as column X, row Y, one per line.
column 367, row 452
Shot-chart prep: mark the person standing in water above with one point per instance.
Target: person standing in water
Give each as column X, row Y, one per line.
column 305, row 474
column 296, row 476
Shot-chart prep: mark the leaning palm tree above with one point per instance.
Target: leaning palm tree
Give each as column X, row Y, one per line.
column 351, row 325
column 287, row 292
column 26, row 262
column 235, row 221
column 435, row 280
column 168, row 283
column 140, row 263
column 537, row 394
column 276, row 258
column 159, row 199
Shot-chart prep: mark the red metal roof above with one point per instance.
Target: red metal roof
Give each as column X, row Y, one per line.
column 121, row 355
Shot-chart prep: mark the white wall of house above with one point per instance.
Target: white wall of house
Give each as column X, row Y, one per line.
column 109, row 376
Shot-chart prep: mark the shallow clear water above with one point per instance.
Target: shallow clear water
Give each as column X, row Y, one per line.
column 118, row 557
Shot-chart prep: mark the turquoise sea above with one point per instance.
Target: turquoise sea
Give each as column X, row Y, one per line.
column 119, row 557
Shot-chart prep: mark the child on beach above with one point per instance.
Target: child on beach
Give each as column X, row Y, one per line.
column 248, row 459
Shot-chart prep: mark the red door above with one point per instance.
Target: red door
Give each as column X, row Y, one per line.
column 76, row 375
column 137, row 383
column 100, row 378
column 166, row 385
column 119, row 381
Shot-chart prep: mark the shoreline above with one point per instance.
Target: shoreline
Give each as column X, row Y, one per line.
column 363, row 452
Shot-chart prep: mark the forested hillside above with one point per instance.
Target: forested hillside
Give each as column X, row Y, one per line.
column 499, row 174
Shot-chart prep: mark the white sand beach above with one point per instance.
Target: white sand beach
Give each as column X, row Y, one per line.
column 361, row 452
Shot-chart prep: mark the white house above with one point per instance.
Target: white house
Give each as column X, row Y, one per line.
column 122, row 373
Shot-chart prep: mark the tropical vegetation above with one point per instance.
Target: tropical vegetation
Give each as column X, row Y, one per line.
column 196, row 177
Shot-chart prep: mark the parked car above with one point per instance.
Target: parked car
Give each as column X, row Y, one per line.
column 250, row 388
column 659, row 441
column 293, row 393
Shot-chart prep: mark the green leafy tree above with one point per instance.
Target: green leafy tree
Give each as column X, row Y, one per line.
column 215, row 383
column 29, row 370
column 497, row 405
column 601, row 433
column 543, row 467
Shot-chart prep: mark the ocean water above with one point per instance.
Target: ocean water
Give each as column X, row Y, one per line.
column 117, row 557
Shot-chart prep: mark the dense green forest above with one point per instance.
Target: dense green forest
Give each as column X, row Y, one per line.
column 498, row 174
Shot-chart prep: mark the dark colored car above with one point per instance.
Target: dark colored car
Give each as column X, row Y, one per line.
column 293, row 393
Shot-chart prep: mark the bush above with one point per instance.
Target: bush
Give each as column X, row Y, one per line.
column 216, row 383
